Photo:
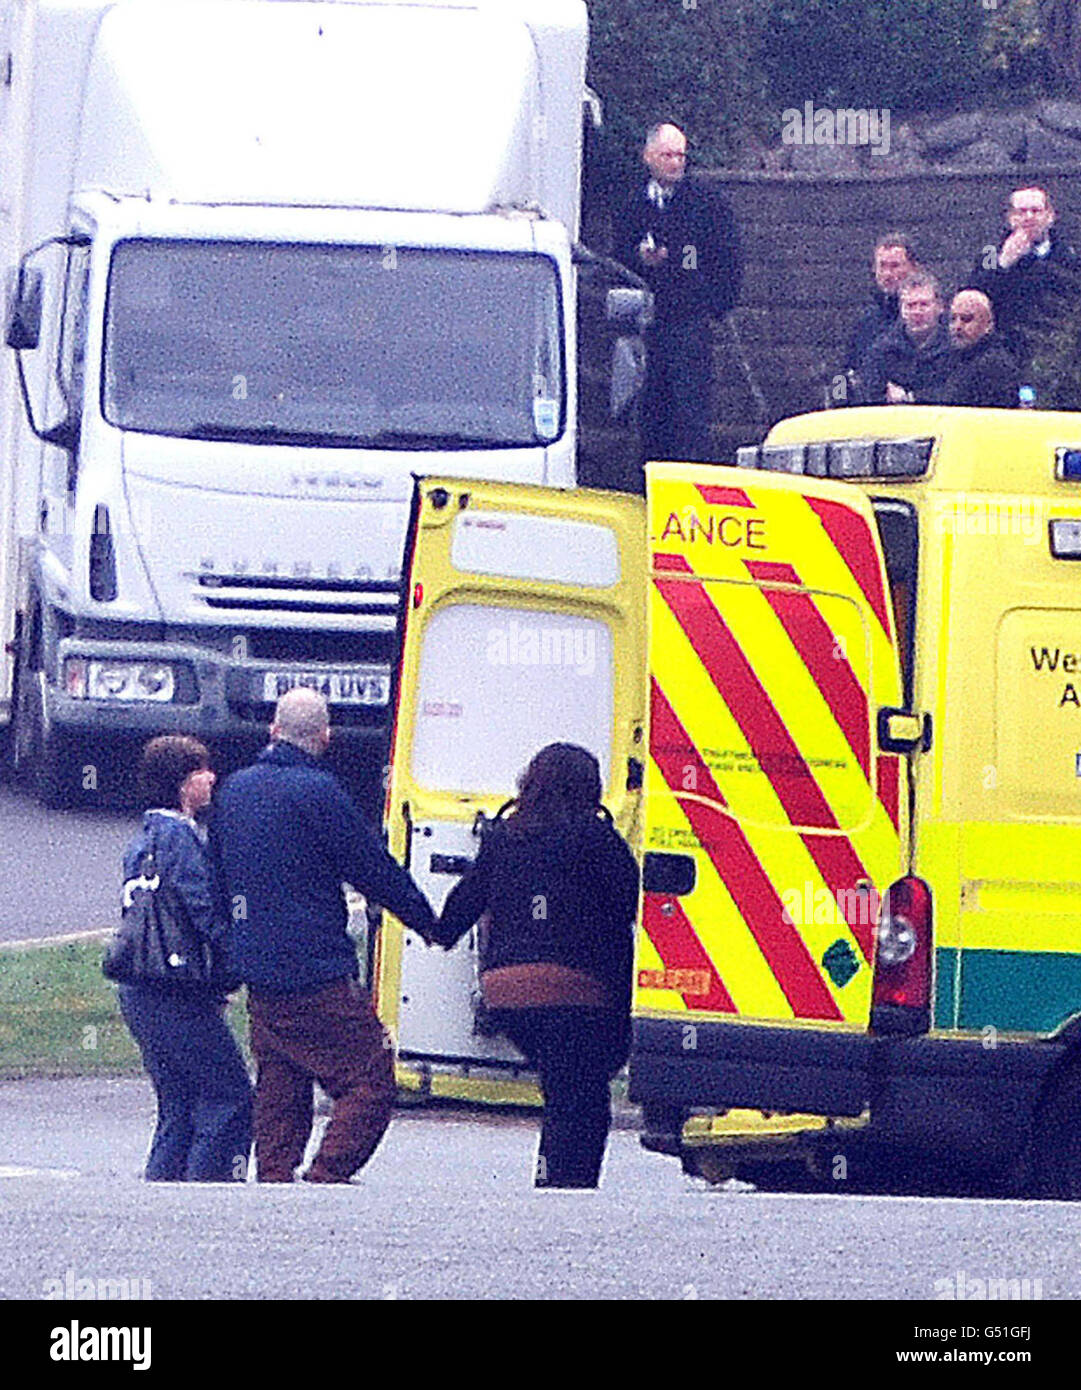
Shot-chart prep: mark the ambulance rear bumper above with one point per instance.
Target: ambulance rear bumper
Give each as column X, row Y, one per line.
column 958, row 1091
column 748, row 1066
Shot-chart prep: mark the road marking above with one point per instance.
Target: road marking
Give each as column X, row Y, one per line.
column 11, row 1170
column 911, row 1198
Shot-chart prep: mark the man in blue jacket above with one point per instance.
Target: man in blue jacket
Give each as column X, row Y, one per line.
column 285, row 836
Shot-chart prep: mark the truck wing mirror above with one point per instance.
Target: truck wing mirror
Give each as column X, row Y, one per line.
column 24, row 309
column 628, row 374
column 632, row 306
column 901, row 731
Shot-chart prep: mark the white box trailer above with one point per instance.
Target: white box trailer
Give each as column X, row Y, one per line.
column 267, row 259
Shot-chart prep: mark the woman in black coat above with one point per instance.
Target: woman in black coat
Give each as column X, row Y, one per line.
column 558, row 888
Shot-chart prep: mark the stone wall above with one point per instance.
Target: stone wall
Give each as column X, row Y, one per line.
column 1047, row 132
column 807, row 245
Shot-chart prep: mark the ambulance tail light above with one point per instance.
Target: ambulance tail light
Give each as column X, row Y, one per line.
column 901, row 999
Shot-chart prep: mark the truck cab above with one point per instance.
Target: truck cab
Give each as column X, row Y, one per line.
column 268, row 262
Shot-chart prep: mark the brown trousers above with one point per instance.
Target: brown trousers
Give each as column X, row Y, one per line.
column 335, row 1038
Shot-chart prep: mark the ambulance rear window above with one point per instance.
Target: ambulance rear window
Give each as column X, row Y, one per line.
column 897, row 529
column 498, row 684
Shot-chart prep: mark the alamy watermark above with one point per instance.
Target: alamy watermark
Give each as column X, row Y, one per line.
column 961, row 1286
column 973, row 517
column 516, row 643
column 70, row 1286
column 845, row 125
column 812, row 905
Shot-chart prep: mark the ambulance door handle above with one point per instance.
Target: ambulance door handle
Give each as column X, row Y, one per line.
column 903, row 731
column 449, row 864
column 635, row 773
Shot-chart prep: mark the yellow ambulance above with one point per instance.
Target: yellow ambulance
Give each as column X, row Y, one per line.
column 861, row 925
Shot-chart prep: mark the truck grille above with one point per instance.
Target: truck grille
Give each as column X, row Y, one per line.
column 308, row 597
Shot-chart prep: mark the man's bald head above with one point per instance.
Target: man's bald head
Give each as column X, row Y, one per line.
column 301, row 717
column 665, row 153
column 971, row 318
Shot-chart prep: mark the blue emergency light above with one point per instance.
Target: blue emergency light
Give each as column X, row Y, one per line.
column 1068, row 465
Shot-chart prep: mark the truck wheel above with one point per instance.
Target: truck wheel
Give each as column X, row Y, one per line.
column 1057, row 1139
column 50, row 763
column 9, row 748
column 57, row 770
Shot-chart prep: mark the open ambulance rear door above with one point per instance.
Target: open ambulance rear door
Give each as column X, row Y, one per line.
column 524, row 624
column 774, row 821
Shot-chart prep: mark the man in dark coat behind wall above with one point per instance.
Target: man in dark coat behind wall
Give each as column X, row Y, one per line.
column 910, row 360
column 981, row 369
column 892, row 262
column 1032, row 277
column 680, row 236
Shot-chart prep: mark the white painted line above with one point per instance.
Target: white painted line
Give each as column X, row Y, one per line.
column 912, row 1198
column 31, row 942
column 11, row 1170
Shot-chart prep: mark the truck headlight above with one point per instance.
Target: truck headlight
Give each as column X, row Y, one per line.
column 119, row 680
column 155, row 682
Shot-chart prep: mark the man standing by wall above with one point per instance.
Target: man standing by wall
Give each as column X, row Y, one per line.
column 681, row 238
column 284, row 838
column 980, row 369
column 1032, row 276
column 892, row 262
column 908, row 362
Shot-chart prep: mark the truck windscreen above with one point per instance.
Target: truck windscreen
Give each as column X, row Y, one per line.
column 363, row 346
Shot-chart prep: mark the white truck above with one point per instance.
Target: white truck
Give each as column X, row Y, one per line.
column 267, row 260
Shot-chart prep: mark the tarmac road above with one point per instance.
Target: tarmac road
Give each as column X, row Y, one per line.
column 445, row 1211
column 59, row 870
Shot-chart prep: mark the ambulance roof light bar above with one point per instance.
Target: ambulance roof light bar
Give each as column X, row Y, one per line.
column 843, row 458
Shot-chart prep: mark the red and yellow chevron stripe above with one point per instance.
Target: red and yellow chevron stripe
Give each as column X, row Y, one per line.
column 771, row 648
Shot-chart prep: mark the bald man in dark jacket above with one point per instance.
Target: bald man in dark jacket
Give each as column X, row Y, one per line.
column 680, row 236
column 284, row 838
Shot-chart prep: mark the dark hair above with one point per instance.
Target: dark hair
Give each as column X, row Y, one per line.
column 1031, row 188
column 165, row 765
column 920, row 280
column 897, row 240
column 561, row 785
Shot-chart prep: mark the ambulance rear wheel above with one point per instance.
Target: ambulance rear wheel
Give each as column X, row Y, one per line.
column 1057, row 1146
column 708, row 1163
column 780, row 1175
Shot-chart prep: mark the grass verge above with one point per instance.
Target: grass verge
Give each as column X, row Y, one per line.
column 59, row 1015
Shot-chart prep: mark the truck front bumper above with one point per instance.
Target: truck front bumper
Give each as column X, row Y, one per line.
column 216, row 696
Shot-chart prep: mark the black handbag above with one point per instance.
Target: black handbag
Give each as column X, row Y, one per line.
column 156, row 942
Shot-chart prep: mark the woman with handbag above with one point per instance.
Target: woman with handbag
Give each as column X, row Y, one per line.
column 558, row 889
column 171, row 987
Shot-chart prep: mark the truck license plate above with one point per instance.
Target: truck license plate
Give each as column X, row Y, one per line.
column 370, row 687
